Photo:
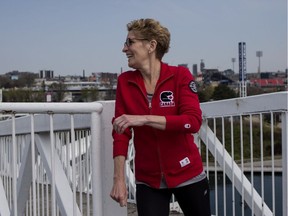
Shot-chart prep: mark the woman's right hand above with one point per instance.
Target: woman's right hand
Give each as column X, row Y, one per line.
column 119, row 192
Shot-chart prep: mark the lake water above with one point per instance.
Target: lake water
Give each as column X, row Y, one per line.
column 257, row 185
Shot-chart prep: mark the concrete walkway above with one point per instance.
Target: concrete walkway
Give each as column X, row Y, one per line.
column 132, row 211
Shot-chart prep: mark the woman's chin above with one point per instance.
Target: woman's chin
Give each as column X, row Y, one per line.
column 131, row 65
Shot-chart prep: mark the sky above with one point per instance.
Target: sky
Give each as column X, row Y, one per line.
column 70, row 36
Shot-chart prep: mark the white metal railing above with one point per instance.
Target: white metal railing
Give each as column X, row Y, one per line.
column 42, row 169
column 258, row 127
column 226, row 150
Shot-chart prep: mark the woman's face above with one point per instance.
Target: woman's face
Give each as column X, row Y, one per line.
column 136, row 49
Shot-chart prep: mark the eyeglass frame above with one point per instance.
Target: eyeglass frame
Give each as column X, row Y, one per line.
column 129, row 41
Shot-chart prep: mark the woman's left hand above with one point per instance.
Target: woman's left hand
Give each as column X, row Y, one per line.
column 124, row 121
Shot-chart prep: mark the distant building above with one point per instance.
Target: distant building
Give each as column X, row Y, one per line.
column 13, row 75
column 195, row 70
column 202, row 66
column 46, row 74
column 207, row 74
column 183, row 65
column 104, row 79
column 271, row 84
column 228, row 72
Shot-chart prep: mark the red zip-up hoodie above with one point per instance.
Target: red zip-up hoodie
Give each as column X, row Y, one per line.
column 171, row 153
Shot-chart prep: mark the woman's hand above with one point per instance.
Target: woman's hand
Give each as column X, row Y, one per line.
column 119, row 192
column 124, row 121
column 121, row 123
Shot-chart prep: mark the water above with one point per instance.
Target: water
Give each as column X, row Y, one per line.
column 257, row 185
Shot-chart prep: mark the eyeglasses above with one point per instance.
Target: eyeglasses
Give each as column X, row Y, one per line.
column 130, row 41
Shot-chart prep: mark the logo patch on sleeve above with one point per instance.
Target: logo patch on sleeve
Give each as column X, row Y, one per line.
column 193, row 87
column 187, row 126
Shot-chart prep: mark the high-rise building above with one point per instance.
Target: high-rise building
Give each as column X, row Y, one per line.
column 194, row 69
column 47, row 74
column 202, row 66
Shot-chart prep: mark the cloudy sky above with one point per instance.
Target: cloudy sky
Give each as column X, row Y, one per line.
column 69, row 36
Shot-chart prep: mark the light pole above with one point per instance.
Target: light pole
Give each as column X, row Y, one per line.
column 242, row 68
column 259, row 54
column 233, row 61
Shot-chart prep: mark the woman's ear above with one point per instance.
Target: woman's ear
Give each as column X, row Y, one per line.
column 153, row 45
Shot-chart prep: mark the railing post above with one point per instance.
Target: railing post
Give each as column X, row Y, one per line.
column 96, row 164
column 14, row 167
column 110, row 207
column 284, row 162
column 52, row 146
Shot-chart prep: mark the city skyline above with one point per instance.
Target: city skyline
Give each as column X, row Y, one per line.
column 71, row 36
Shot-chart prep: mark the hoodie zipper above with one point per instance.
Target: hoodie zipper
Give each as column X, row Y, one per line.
column 158, row 150
column 159, row 84
column 150, row 108
column 145, row 96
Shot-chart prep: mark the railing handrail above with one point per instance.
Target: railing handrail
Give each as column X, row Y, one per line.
column 50, row 107
column 61, row 123
column 240, row 105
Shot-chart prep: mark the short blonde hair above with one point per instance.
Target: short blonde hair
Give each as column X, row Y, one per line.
column 151, row 29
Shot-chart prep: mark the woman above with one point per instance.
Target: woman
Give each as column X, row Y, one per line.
column 160, row 103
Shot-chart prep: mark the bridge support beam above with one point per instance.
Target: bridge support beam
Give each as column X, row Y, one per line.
column 64, row 194
column 233, row 171
column 284, row 162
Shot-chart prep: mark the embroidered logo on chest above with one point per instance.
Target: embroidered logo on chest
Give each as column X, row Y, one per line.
column 167, row 99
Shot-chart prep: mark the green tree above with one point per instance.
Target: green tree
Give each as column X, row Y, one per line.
column 23, row 95
column 205, row 93
column 222, row 92
column 94, row 94
column 5, row 82
column 90, row 94
column 58, row 91
column 85, row 95
column 27, row 79
column 17, row 95
column 254, row 90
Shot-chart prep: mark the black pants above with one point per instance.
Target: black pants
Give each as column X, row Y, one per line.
column 194, row 199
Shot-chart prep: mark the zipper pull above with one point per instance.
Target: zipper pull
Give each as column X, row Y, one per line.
column 150, row 105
